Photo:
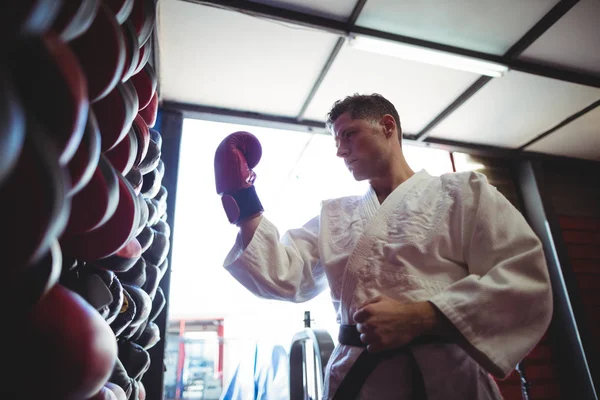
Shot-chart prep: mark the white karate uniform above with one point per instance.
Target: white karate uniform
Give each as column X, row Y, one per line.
column 453, row 240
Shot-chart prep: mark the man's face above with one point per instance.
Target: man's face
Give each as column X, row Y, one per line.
column 362, row 144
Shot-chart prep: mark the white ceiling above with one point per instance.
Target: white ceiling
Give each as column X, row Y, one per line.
column 230, row 60
column 573, row 41
column 355, row 71
column 579, row 139
column 511, row 111
column 226, row 59
column 490, row 26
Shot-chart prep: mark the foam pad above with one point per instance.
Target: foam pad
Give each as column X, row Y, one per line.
column 161, row 196
column 158, row 303
column 144, row 214
column 145, row 85
column 113, row 235
column 29, row 285
column 136, row 275
column 115, row 114
column 152, row 279
column 86, row 159
column 158, row 251
column 12, row 126
column 162, row 227
column 75, row 17
column 26, row 18
column 123, row 155
column 150, row 162
column 151, row 111
column 95, row 203
column 121, row 8
column 101, row 53
column 143, row 304
column 133, row 333
column 91, row 286
column 122, row 260
column 125, row 316
column 143, row 17
column 146, row 237
column 135, row 178
column 143, row 134
column 152, row 184
column 152, row 212
column 132, row 50
column 145, row 53
column 33, row 198
column 163, row 267
column 135, row 359
column 116, row 290
column 156, row 137
column 110, row 391
column 150, row 336
column 130, row 90
column 161, row 201
column 52, row 86
column 73, row 348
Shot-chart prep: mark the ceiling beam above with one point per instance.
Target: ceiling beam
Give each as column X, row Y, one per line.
column 340, row 28
column 567, row 121
column 336, row 49
column 289, row 123
column 244, row 117
column 551, row 17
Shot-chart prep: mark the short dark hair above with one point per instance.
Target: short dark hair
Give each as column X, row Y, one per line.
column 363, row 106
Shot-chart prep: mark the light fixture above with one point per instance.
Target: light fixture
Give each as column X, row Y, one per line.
column 428, row 56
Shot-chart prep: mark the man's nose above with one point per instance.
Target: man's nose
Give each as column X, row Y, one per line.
column 342, row 151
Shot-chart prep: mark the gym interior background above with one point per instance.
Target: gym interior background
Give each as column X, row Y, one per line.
column 510, row 88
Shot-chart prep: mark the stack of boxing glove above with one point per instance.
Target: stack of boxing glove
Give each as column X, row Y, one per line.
column 86, row 238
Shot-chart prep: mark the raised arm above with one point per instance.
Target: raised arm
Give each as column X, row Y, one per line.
column 286, row 269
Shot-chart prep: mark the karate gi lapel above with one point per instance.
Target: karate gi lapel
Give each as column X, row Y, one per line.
column 376, row 216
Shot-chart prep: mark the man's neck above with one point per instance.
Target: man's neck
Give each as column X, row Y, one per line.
column 388, row 183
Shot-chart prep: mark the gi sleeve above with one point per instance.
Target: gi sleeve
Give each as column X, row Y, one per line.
column 504, row 306
column 281, row 269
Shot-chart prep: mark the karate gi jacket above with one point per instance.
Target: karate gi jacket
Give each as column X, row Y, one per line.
column 453, row 240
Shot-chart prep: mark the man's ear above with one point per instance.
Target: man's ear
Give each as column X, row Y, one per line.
column 389, row 125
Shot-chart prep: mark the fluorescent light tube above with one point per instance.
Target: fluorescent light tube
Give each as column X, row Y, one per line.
column 428, row 56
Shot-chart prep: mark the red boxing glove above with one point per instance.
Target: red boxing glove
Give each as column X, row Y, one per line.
column 235, row 157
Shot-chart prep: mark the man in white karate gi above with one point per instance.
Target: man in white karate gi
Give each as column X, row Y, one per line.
column 438, row 282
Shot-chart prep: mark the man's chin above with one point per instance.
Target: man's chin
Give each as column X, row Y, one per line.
column 358, row 176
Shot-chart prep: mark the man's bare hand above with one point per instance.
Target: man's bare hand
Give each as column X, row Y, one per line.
column 386, row 324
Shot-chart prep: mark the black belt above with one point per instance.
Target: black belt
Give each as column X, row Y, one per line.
column 366, row 363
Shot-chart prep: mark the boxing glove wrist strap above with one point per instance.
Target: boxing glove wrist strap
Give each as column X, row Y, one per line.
column 242, row 204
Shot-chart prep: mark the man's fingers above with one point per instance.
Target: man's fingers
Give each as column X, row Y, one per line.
column 375, row 299
column 369, row 338
column 375, row 348
column 361, row 315
column 364, row 328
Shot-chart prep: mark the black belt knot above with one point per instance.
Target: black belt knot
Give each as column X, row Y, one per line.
column 367, row 362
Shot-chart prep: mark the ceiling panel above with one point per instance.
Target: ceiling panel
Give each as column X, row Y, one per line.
column 490, row 26
column 333, row 9
column 579, row 139
column 572, row 41
column 510, row 111
column 419, row 91
column 226, row 59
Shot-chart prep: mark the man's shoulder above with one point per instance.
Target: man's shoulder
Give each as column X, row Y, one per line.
column 464, row 185
column 462, row 180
